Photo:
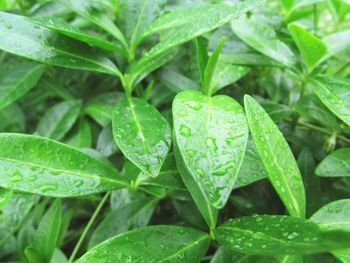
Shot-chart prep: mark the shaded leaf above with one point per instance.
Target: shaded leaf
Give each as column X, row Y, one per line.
column 336, row 164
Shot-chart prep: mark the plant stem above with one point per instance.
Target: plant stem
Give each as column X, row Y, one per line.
column 88, row 226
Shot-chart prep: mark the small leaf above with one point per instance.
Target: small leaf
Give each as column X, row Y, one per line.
column 202, row 57
column 17, row 81
column 58, row 120
column 334, row 93
column 12, row 119
column 281, row 167
column 211, row 134
column 27, row 39
column 311, row 48
column 263, row 39
column 46, row 167
column 335, row 165
column 142, row 134
column 271, row 235
column 151, row 244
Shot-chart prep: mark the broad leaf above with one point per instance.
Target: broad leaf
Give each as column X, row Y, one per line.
column 62, row 27
column 281, row 167
column 152, row 244
column 271, row 235
column 27, row 39
column 142, row 134
column 335, row 165
column 263, row 39
column 58, row 120
column 337, row 43
column 46, row 167
column 191, row 22
column 211, row 134
column 17, row 81
column 334, row 93
column 311, row 48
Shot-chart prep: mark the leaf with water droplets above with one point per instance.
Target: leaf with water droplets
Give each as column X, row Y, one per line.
column 151, row 244
column 17, row 81
column 58, row 120
column 211, row 134
column 142, row 134
column 336, row 164
column 334, row 93
column 43, row 166
column 263, row 38
column 273, row 235
column 21, row 37
column 311, row 48
column 281, row 167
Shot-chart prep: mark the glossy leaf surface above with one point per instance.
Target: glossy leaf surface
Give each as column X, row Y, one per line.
column 46, row 167
column 152, row 244
column 335, row 165
column 142, row 134
column 277, row 157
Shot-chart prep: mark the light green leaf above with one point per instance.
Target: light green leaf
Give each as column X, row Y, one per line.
column 337, row 164
column 151, row 244
column 58, row 120
column 27, row 39
column 334, row 93
column 202, row 57
column 337, row 43
column 211, row 134
column 311, row 48
column 142, row 134
column 177, row 82
column 273, row 235
column 281, row 167
column 83, row 135
column 263, row 39
column 46, row 167
column 249, row 59
column 192, row 22
column 17, row 81
column 59, row 25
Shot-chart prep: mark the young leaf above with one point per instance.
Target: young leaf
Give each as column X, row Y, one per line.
column 211, row 134
column 152, row 244
column 142, row 134
column 335, row 165
column 210, row 68
column 202, row 57
column 58, row 120
column 46, row 167
column 263, row 39
column 271, row 235
column 334, row 92
column 27, row 39
column 281, row 167
column 46, row 235
column 17, row 81
column 192, row 22
column 311, row 48
column 61, row 26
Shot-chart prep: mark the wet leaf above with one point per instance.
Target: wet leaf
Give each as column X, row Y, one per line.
column 335, row 165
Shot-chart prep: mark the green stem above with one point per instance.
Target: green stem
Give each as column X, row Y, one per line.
column 88, row 226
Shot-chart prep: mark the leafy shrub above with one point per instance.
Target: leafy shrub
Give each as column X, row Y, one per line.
column 174, row 131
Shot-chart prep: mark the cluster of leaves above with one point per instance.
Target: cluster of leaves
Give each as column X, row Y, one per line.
column 114, row 148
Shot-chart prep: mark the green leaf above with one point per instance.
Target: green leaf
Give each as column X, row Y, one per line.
column 59, row 119
column 128, row 217
column 152, row 244
column 88, row 10
column 27, row 39
column 263, row 38
column 142, row 134
column 333, row 92
column 336, row 43
column 105, row 142
column 281, row 167
column 210, row 68
column 192, row 22
column 12, row 119
column 273, row 235
column 46, row 167
column 211, row 134
column 311, row 48
column 46, row 235
column 249, row 59
column 61, row 26
column 83, row 135
column 177, row 82
column 17, row 81
column 5, row 197
column 335, row 165
column 202, row 57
